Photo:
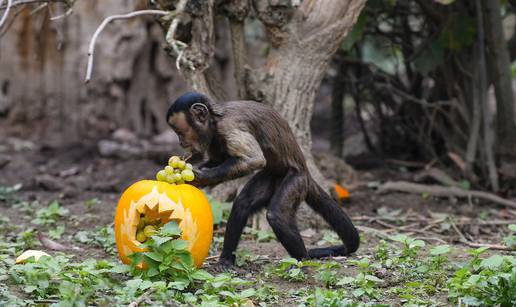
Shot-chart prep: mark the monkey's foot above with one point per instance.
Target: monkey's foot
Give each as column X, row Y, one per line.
column 224, row 265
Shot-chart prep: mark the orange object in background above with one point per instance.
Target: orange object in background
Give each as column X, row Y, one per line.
column 183, row 203
column 342, row 193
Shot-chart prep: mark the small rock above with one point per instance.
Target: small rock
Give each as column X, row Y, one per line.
column 4, row 160
column 124, row 136
column 69, row 172
column 166, row 137
column 49, row 183
column 118, row 150
column 308, row 233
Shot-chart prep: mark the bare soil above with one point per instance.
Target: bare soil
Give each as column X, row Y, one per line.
column 77, row 174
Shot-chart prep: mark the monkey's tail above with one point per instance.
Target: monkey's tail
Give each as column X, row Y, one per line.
column 328, row 208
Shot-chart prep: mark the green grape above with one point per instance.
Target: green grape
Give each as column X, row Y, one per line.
column 187, row 175
column 172, row 160
column 177, row 177
column 169, row 170
column 140, row 236
column 188, row 166
column 177, row 171
column 161, row 175
column 181, row 164
column 170, row 178
column 142, row 223
column 149, row 230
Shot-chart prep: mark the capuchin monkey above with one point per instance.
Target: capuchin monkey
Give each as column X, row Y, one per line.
column 243, row 137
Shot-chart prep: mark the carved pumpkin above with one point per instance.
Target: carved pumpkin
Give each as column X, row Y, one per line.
column 183, row 203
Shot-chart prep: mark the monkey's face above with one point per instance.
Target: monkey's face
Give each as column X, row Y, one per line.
column 193, row 131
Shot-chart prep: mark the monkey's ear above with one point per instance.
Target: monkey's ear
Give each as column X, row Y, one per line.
column 200, row 112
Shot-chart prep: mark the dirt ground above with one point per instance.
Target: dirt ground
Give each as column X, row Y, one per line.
column 75, row 175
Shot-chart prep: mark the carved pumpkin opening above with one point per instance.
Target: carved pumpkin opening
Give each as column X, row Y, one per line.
column 159, row 203
column 158, row 209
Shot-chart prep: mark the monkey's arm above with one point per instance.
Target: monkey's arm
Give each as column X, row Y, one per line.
column 245, row 157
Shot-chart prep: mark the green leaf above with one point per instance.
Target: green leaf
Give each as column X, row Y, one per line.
column 441, row 249
column 459, row 32
column 399, row 238
column 201, row 275
column 179, row 244
column 179, row 284
column 160, row 240
column 356, row 33
column 154, row 256
column 186, row 258
column 430, row 58
column 247, row 293
column 492, row 262
column 345, row 281
column 373, row 278
column 170, row 229
column 465, row 184
column 512, row 227
column 417, row 243
column 216, row 211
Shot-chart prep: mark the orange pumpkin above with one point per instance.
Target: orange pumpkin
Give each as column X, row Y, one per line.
column 183, row 203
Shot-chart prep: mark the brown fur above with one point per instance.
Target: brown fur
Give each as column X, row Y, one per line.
column 241, row 137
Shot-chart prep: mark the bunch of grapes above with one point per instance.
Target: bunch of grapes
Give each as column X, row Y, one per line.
column 147, row 228
column 176, row 172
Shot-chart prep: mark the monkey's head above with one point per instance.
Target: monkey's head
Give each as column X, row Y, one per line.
column 191, row 118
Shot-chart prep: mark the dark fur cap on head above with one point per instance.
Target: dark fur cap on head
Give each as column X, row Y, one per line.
column 185, row 101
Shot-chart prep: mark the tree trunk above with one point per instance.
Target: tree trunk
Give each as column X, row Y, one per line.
column 501, row 77
column 303, row 36
column 294, row 70
column 42, row 68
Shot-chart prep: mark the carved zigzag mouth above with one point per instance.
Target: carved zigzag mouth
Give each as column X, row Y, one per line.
column 159, row 207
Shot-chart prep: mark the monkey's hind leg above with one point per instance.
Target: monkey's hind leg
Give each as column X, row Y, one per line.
column 281, row 214
column 328, row 208
column 255, row 195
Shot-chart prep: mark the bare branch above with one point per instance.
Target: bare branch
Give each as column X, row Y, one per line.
column 6, row 12
column 436, row 190
column 178, row 45
column 28, row 2
column 68, row 12
column 104, row 23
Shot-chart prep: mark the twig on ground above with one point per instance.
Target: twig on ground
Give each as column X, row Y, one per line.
column 104, row 23
column 437, row 175
column 457, row 230
column 142, row 297
column 490, row 246
column 436, row 190
column 431, row 238
column 373, row 230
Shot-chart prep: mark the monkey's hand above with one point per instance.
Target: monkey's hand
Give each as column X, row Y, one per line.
column 200, row 179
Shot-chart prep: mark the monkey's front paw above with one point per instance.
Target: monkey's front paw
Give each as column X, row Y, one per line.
column 199, row 178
